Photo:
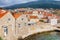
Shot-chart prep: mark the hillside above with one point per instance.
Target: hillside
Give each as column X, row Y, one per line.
column 37, row 4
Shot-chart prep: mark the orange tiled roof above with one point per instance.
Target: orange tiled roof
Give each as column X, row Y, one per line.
column 49, row 14
column 16, row 15
column 33, row 17
column 2, row 13
column 27, row 12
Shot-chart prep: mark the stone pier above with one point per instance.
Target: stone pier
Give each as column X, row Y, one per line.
column 33, row 29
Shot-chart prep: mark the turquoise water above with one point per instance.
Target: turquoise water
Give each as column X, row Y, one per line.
column 44, row 36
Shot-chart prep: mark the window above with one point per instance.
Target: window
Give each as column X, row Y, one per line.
column 5, row 30
column 18, row 25
column 25, row 24
column 29, row 24
column 22, row 18
column 9, row 19
column 28, row 19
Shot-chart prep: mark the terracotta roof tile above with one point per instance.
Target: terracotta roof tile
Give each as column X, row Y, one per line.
column 16, row 15
column 33, row 17
column 2, row 13
column 49, row 14
column 27, row 12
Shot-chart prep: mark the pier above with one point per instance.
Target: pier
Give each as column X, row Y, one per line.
column 37, row 28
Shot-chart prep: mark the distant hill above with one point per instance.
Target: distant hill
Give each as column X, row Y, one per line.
column 37, row 4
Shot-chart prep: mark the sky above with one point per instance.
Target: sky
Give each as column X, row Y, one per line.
column 4, row 3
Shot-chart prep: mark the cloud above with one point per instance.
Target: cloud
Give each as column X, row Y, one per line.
column 12, row 2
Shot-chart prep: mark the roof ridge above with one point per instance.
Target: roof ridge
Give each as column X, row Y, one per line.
column 2, row 14
column 16, row 15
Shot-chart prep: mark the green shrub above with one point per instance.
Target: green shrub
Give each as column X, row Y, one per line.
column 41, row 20
column 1, row 38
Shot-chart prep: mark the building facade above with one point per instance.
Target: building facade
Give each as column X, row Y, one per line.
column 7, row 26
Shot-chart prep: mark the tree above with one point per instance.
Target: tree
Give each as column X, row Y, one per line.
column 57, row 12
